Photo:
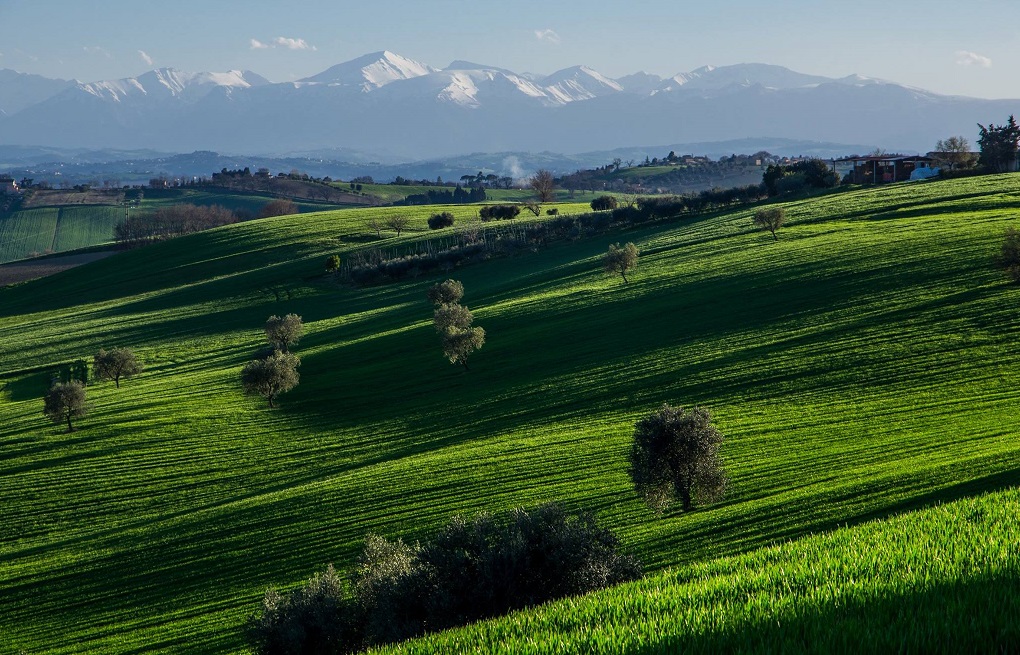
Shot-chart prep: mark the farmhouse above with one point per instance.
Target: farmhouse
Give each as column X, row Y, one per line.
column 879, row 169
column 8, row 186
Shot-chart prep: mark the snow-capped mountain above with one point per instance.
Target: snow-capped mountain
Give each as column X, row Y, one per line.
column 371, row 71
column 383, row 102
column 169, row 82
column 579, row 83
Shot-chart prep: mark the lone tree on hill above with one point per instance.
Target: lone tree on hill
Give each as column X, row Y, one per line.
column 954, row 152
column 445, row 293
column 333, row 263
column 543, row 183
column 282, row 333
column 66, row 401
column 620, row 260
column 999, row 144
column 281, row 207
column 452, row 317
column 675, row 456
column 771, row 219
column 271, row 376
column 115, row 364
column 398, row 223
column 1009, row 259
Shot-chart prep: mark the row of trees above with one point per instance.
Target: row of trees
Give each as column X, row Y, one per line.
column 170, row 222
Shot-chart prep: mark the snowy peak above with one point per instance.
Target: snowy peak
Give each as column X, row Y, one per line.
column 712, row 78
column 371, row 71
column 578, row 83
column 468, row 88
column 171, row 82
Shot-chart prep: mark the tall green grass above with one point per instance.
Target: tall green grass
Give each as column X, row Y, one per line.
column 940, row 580
column 864, row 364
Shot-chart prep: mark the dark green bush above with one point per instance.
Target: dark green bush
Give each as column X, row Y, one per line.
column 438, row 221
column 472, row 569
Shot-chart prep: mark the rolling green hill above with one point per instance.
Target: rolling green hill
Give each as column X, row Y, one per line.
column 939, row 580
column 45, row 229
column 864, row 364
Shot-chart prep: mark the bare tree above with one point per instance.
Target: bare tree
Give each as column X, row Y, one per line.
column 272, row 376
column 543, row 184
column 770, row 219
column 280, row 207
column 115, row 364
column 675, row 456
column 954, row 152
column 620, row 260
column 398, row 223
column 282, row 333
column 66, row 401
column 376, row 226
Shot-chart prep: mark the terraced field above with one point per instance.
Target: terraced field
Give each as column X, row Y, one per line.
column 864, row 364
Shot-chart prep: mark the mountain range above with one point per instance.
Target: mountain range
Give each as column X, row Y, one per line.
column 396, row 108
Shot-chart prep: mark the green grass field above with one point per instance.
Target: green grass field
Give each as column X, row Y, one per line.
column 864, row 364
column 41, row 230
column 939, row 580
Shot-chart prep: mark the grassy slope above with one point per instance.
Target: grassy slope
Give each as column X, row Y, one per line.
column 864, row 364
column 59, row 229
column 944, row 579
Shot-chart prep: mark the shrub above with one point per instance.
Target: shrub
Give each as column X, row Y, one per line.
column 499, row 212
column 473, row 569
column 333, row 263
column 316, row 619
column 604, row 203
column 438, row 221
column 1009, row 258
column 552, row 211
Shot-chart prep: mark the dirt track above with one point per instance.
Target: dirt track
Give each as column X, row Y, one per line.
column 29, row 270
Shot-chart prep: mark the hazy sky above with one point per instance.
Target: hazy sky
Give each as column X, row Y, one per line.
column 967, row 47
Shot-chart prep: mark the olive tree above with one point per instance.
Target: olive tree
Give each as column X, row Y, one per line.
column 453, row 322
column 770, row 219
column 675, row 456
column 459, row 344
column 284, row 332
column 66, row 401
column 115, row 364
column 445, row 293
column 620, row 260
column 271, row 376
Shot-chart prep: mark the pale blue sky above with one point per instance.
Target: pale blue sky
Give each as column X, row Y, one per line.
column 962, row 47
